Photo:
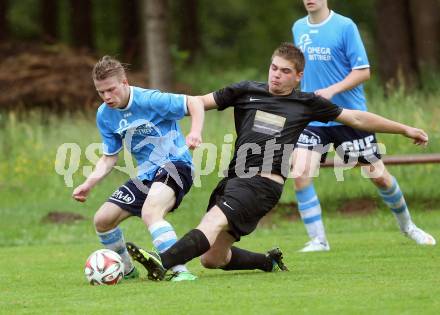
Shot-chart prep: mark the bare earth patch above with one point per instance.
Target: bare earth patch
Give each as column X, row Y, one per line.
column 58, row 217
column 286, row 211
column 358, row 207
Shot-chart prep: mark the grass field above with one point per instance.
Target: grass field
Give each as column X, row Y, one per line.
column 371, row 269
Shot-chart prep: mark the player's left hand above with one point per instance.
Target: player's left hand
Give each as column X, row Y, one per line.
column 193, row 140
column 419, row 136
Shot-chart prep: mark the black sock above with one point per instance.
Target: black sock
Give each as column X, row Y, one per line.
column 242, row 259
column 191, row 245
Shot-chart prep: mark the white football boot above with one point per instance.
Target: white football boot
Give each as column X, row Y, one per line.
column 316, row 245
column 419, row 236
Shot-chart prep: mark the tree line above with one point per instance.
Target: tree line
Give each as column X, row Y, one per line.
column 402, row 36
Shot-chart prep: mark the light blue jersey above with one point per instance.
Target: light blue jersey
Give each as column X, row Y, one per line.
column 148, row 127
column 332, row 49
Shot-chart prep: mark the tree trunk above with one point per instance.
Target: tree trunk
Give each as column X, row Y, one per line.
column 189, row 37
column 158, row 56
column 395, row 44
column 131, row 31
column 4, row 27
column 82, row 29
column 49, row 20
column 426, row 29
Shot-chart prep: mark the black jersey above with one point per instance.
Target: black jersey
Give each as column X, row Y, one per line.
column 268, row 125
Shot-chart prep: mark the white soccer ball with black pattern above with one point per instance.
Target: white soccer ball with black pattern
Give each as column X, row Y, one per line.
column 104, row 266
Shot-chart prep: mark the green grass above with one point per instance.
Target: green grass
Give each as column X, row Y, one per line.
column 370, row 269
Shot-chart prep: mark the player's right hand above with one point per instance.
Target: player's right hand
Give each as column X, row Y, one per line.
column 81, row 192
column 326, row 93
column 419, row 136
column 193, row 140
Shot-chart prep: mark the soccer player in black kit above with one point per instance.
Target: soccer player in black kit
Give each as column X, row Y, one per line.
column 269, row 117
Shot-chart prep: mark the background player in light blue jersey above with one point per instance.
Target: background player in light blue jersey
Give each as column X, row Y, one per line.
column 336, row 66
column 145, row 121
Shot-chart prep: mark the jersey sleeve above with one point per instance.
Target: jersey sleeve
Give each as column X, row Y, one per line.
column 355, row 50
column 323, row 110
column 167, row 105
column 228, row 95
column 111, row 144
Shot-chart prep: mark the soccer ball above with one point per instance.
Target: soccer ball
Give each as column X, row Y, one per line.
column 104, row 266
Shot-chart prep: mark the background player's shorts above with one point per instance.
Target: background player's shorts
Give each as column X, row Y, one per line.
column 244, row 201
column 350, row 144
column 131, row 196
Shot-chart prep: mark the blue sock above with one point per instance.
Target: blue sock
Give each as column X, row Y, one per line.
column 393, row 198
column 114, row 240
column 164, row 237
column 310, row 211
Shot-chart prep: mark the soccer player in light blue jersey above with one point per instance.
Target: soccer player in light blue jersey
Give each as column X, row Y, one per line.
column 335, row 68
column 145, row 121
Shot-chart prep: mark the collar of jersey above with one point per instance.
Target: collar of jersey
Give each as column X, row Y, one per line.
column 323, row 22
column 130, row 101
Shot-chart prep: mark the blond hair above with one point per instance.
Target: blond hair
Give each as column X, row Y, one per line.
column 108, row 67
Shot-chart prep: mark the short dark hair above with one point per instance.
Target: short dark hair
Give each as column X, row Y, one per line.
column 108, row 67
column 291, row 53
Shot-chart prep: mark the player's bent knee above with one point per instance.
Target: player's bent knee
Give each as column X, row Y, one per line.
column 212, row 261
column 207, row 262
column 383, row 181
column 102, row 223
column 106, row 218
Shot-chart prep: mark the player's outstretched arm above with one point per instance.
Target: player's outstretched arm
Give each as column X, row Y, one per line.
column 375, row 123
column 103, row 167
column 197, row 112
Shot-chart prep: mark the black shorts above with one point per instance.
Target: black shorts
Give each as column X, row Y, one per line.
column 131, row 196
column 244, row 201
column 351, row 145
